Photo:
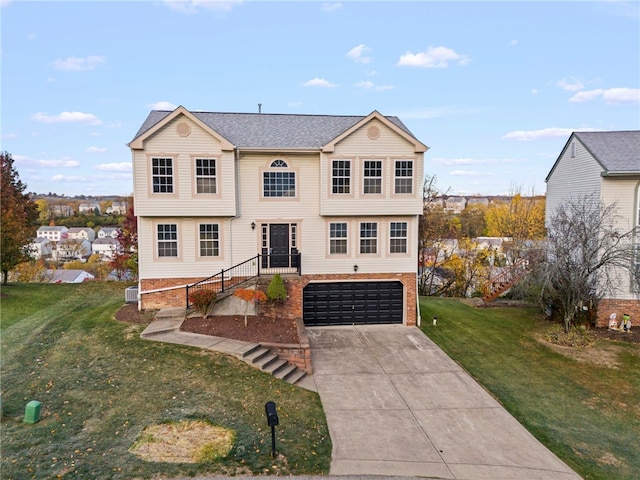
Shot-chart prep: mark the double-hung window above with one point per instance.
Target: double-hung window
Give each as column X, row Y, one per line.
column 209, row 239
column 341, row 176
column 337, row 238
column 162, row 175
column 404, row 176
column 398, row 237
column 276, row 183
column 167, row 240
column 206, row 175
column 368, row 237
column 372, row 176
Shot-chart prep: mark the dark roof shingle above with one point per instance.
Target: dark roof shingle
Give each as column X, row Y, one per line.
column 617, row 152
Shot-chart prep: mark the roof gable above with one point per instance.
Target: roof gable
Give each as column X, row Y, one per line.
column 617, row 152
column 263, row 131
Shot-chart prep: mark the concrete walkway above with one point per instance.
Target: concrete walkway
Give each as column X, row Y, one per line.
column 396, row 404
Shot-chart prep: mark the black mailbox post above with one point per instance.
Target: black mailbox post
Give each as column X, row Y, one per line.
column 272, row 421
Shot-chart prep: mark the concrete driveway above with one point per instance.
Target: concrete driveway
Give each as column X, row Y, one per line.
column 398, row 405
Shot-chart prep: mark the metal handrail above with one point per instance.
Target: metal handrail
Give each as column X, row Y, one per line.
column 246, row 271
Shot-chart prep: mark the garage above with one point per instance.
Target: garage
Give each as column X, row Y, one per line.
column 352, row 303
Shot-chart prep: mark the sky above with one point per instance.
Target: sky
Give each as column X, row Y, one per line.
column 493, row 88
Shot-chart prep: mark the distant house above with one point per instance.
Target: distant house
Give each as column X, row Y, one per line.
column 73, row 249
column 477, row 201
column 455, row 205
column 494, row 243
column 68, row 276
column 61, row 210
column 82, row 233
column 53, row 234
column 606, row 164
column 89, row 208
column 108, row 232
column 104, row 247
column 40, row 248
column 117, row 208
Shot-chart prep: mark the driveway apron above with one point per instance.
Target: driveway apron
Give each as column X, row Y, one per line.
column 396, row 404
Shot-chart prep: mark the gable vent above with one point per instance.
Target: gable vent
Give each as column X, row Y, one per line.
column 183, row 129
column 373, row 132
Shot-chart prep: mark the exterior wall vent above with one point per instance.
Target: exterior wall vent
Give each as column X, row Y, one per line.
column 183, row 129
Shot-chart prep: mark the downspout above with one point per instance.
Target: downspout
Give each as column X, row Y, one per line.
column 236, row 165
column 419, row 318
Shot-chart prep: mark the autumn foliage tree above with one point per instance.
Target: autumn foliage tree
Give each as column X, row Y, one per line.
column 19, row 215
column 126, row 257
column 249, row 296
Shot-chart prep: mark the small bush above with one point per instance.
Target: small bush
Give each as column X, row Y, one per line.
column 276, row 291
column 576, row 337
column 202, row 300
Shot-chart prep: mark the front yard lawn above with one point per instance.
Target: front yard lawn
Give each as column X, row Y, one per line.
column 100, row 386
column 583, row 405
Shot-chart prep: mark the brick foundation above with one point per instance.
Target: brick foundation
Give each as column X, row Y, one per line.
column 295, row 284
column 610, row 305
column 296, row 354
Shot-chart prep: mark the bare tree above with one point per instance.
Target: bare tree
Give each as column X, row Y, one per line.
column 587, row 253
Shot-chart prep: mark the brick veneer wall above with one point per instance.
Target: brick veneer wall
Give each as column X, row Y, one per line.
column 295, row 284
column 610, row 305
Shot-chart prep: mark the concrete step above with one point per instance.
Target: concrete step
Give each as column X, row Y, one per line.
column 273, row 367
column 266, row 360
column 283, row 372
column 295, row 376
column 256, row 354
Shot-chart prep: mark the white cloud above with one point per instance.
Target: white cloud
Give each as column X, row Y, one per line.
column 9, row 135
column 468, row 173
column 194, row 6
column 64, row 162
column 95, row 150
column 331, row 7
column 437, row 112
column 530, row 135
column 319, row 82
column 449, row 162
column 359, row 54
column 162, row 106
column 570, row 84
column 513, row 42
column 432, row 57
column 367, row 85
column 68, row 178
column 295, row 104
column 67, row 117
column 534, row 91
column 78, row 64
column 612, row 95
column 114, row 167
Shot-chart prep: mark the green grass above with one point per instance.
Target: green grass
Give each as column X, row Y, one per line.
column 100, row 385
column 588, row 415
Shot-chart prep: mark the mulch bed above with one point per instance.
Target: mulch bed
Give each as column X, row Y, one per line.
column 259, row 329
column 629, row 337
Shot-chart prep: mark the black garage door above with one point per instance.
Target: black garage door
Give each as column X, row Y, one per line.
column 348, row 303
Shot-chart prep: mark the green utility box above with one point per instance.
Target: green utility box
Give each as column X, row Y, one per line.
column 32, row 412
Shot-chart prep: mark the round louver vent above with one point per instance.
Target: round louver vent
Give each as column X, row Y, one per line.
column 183, row 129
column 373, row 132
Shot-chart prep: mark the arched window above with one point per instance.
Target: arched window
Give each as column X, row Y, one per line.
column 278, row 183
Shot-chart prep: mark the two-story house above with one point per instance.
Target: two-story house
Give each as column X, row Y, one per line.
column 108, row 232
column 606, row 164
column 82, row 233
column 334, row 198
column 52, row 233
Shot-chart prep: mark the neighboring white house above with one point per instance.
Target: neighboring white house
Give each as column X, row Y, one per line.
column 117, row 208
column 108, row 232
column 455, row 204
column 335, row 200
column 105, row 247
column 68, row 276
column 82, row 233
column 61, row 210
column 40, row 248
column 606, row 164
column 73, row 249
column 89, row 208
column 53, row 234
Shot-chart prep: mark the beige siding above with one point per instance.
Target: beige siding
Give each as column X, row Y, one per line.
column 183, row 150
column 571, row 177
column 624, row 192
column 358, row 147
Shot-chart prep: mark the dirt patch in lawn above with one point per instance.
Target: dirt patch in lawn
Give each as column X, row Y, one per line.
column 184, row 442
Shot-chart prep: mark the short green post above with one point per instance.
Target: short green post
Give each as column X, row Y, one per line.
column 32, row 412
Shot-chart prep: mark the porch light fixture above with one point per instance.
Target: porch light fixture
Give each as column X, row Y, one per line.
column 355, row 268
column 253, row 225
